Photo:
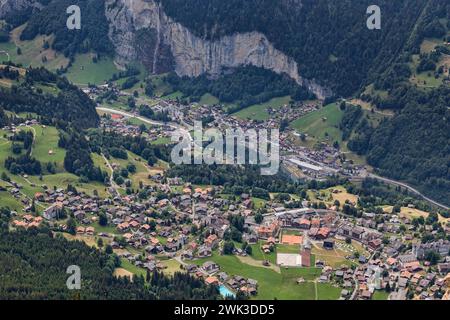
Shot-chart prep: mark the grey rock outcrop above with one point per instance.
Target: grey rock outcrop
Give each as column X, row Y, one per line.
column 140, row 30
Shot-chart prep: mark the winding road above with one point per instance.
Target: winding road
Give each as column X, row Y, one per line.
column 186, row 131
column 143, row 119
column 415, row 191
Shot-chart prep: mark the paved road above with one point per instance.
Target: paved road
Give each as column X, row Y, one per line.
column 186, row 131
column 143, row 119
column 417, row 192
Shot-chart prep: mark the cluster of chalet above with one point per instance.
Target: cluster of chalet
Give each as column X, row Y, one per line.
column 58, row 200
column 367, row 236
column 148, row 262
column 238, row 283
column 327, row 155
column 16, row 128
column 210, row 272
column 404, row 272
column 27, row 221
column 319, row 225
column 120, row 124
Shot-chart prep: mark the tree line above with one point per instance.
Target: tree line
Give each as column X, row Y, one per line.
column 242, row 86
column 43, row 258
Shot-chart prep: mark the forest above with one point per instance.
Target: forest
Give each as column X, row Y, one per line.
column 357, row 55
column 78, row 158
column 69, row 105
column 412, row 146
column 52, row 20
column 116, row 145
column 243, row 86
column 43, row 258
column 237, row 180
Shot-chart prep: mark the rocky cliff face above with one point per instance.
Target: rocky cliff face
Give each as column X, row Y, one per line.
column 140, row 30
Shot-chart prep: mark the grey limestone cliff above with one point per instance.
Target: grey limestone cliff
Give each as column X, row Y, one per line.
column 140, row 30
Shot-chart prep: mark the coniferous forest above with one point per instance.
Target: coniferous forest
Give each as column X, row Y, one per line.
column 34, row 268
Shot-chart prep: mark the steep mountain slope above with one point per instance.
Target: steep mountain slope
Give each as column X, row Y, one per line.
column 328, row 39
column 324, row 45
column 141, row 30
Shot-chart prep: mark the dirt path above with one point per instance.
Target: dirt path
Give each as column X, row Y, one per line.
column 111, row 178
column 34, row 139
column 315, row 289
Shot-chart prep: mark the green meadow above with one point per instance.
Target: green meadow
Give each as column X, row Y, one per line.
column 259, row 111
column 321, row 125
column 274, row 285
column 84, row 71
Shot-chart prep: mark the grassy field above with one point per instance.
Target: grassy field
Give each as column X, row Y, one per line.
column 271, row 284
column 427, row 79
column 208, row 99
column 106, row 229
column 127, row 265
column 46, row 139
column 119, row 104
column 259, row 111
column 142, row 171
column 172, row 267
column 334, row 258
column 162, row 88
column 326, row 291
column 258, row 254
column 327, row 195
column 429, row 44
column 137, row 122
column 82, row 72
column 88, row 240
column 380, row 295
column 85, row 71
column 173, row 95
column 5, row 151
column 424, row 79
column 162, row 140
column 321, row 125
column 258, row 203
column 61, row 180
column 140, row 85
column 121, row 272
column 412, row 213
column 7, row 201
column 33, row 52
column 285, row 248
